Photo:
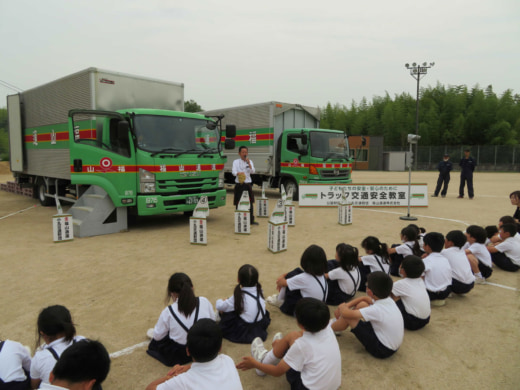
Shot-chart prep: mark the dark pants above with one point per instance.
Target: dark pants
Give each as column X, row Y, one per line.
column 239, row 189
column 443, row 179
column 504, row 262
column 466, row 178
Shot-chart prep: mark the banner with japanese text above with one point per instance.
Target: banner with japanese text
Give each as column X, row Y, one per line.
column 364, row 195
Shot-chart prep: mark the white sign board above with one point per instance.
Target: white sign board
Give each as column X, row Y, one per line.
column 62, row 227
column 363, row 195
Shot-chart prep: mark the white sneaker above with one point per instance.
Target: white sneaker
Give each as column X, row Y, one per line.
column 149, row 333
column 258, row 352
column 273, row 300
column 277, row 336
column 438, row 302
column 480, row 280
column 217, row 316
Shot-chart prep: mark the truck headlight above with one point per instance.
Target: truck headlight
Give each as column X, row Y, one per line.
column 147, row 181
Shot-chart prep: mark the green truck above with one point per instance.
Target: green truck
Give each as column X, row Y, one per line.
column 113, row 143
column 287, row 146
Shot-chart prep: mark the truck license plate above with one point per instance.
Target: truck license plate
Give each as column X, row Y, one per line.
column 192, row 199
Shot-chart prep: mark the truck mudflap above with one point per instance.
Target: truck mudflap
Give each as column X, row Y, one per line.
column 160, row 204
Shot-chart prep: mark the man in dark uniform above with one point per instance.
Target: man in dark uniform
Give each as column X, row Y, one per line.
column 467, row 166
column 444, row 167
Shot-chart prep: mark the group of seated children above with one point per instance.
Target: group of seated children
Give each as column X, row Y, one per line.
column 63, row 361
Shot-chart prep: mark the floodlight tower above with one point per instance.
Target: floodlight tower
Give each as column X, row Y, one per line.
column 418, row 71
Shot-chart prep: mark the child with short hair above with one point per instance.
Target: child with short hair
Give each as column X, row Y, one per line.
column 168, row 344
column 410, row 246
column 491, row 231
column 437, row 270
column 15, row 363
column 462, row 278
column 376, row 259
column 84, row 365
column 209, row 369
column 310, row 358
column 306, row 282
column 243, row 316
column 506, row 254
column 410, row 294
column 374, row 319
column 57, row 330
column 343, row 277
column 477, row 253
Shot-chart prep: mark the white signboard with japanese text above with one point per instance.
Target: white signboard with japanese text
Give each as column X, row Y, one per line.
column 364, row 195
column 62, row 227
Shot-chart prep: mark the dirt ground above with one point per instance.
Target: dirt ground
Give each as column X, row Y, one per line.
column 114, row 285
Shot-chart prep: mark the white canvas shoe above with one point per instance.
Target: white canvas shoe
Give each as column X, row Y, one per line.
column 149, row 333
column 273, row 300
column 258, row 352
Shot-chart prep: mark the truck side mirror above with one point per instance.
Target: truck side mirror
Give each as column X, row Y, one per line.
column 304, row 139
column 363, row 141
column 231, row 131
column 211, row 125
column 229, row 143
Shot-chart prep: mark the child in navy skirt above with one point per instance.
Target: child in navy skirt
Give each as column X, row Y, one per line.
column 169, row 337
column 15, row 363
column 343, row 278
column 376, row 259
column 243, row 316
column 306, row 282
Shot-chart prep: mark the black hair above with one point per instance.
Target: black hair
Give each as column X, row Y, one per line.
column 457, row 237
column 312, row 314
column 204, row 340
column 55, row 320
column 509, row 228
column 413, row 266
column 477, row 232
column 380, row 283
column 247, row 277
column 348, row 256
column 516, row 194
column 314, row 260
column 373, row 244
column 507, row 219
column 181, row 284
column 434, row 240
column 242, row 147
column 411, row 233
column 491, row 230
column 83, row 361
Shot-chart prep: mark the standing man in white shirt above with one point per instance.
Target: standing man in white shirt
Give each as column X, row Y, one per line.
column 243, row 167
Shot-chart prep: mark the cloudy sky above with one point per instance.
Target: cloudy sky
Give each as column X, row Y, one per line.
column 231, row 52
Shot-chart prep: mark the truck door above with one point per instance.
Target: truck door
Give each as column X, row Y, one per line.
column 102, row 154
column 294, row 161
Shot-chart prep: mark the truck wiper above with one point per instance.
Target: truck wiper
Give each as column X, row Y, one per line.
column 185, row 152
column 330, row 155
column 167, row 150
column 211, row 150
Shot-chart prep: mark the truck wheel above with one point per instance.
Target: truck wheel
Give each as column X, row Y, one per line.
column 290, row 183
column 41, row 190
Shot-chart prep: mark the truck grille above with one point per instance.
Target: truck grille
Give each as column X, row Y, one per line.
column 335, row 173
column 188, row 186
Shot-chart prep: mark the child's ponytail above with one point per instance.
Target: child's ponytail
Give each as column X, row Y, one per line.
column 247, row 277
column 54, row 321
column 181, row 284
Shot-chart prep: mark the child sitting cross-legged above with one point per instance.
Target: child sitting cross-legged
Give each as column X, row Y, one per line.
column 374, row 319
column 310, row 358
column 437, row 269
column 410, row 294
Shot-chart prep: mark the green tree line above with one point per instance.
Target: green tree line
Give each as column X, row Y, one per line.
column 450, row 115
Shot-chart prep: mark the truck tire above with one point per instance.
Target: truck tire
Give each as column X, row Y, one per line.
column 291, row 183
column 41, row 189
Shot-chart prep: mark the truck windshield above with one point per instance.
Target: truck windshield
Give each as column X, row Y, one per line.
column 329, row 145
column 172, row 135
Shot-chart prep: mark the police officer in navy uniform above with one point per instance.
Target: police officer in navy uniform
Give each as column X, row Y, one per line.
column 467, row 166
column 444, row 167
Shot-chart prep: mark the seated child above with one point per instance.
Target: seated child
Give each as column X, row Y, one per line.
column 376, row 259
column 462, row 278
column 310, row 358
column 374, row 319
column 506, row 254
column 410, row 294
column 343, row 277
column 437, row 270
column 491, row 231
column 168, row 344
column 209, row 370
column 306, row 282
column 410, row 246
column 15, row 363
column 243, row 316
column 84, row 365
column 478, row 256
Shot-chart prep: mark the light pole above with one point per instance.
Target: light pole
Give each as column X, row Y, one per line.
column 412, row 139
column 417, row 72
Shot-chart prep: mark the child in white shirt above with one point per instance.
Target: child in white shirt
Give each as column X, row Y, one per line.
column 343, row 277
column 477, row 253
column 437, row 270
column 463, row 279
column 506, row 253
